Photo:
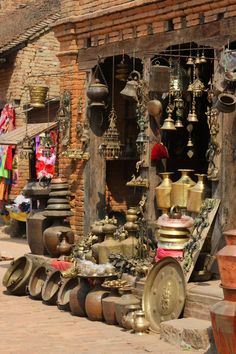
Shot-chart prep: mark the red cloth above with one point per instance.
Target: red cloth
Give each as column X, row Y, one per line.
column 61, row 265
column 8, row 161
column 159, row 151
column 162, row 253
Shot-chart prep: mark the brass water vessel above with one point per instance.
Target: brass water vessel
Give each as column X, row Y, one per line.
column 163, row 192
column 196, row 195
column 179, row 192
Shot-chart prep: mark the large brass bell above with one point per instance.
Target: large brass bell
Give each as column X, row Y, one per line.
column 168, row 123
column 38, row 96
column 130, row 90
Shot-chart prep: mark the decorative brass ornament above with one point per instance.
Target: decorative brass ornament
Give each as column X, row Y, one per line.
column 130, row 90
column 190, row 61
column 76, row 154
column 27, row 149
column 196, row 195
column 163, row 192
column 214, row 149
column 203, row 59
column 179, row 192
column 111, row 148
column 179, row 104
column 64, row 116
column 159, row 77
column 164, row 292
column 197, row 59
column 122, row 70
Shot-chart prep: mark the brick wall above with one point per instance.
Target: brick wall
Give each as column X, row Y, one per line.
column 87, row 23
column 21, row 70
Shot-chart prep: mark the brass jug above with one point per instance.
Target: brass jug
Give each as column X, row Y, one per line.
column 130, row 90
column 109, row 245
column 140, row 324
column 163, row 192
column 179, row 192
column 196, row 195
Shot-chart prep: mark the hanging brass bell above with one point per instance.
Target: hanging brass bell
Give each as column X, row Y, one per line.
column 130, row 90
column 197, row 60
column 190, row 61
column 179, row 124
column 168, row 124
column 190, row 143
column 192, row 117
column 203, row 59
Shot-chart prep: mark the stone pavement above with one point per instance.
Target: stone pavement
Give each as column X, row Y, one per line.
column 30, row 327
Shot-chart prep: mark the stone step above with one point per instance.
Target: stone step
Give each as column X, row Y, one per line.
column 188, row 334
column 200, row 297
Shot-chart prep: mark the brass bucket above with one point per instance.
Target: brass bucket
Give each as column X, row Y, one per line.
column 38, row 96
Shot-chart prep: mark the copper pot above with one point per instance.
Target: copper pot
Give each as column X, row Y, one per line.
column 17, row 275
column 121, row 305
column 97, row 92
column 230, row 237
column 51, row 287
column 229, row 293
column 108, row 307
column 93, row 303
column 37, row 279
column 226, row 258
column 77, row 298
column 63, row 298
column 52, row 238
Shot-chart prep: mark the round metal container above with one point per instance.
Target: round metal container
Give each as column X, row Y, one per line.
column 36, row 282
column 59, row 186
column 63, row 299
column 17, row 275
column 63, row 193
column 164, row 292
column 58, row 201
column 51, row 288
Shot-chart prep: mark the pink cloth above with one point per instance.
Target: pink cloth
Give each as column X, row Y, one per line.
column 162, row 253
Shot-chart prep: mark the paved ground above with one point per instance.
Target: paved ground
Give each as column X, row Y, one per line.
column 30, row 327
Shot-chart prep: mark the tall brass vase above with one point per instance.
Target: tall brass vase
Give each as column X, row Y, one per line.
column 179, row 192
column 163, row 192
column 196, row 195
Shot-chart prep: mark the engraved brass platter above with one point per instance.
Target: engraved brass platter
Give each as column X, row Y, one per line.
column 164, row 292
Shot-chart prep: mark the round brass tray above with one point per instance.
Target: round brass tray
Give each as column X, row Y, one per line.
column 164, row 292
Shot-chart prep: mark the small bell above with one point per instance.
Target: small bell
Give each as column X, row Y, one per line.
column 197, row 60
column 190, row 61
column 190, row 143
column 179, row 124
column 190, row 87
column 168, row 124
column 203, row 59
column 192, row 117
column 130, row 90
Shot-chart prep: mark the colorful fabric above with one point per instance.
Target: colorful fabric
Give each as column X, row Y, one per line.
column 3, row 171
column 8, row 162
column 7, row 119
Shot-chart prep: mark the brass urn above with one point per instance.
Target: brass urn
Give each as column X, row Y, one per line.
column 163, row 192
column 179, row 192
column 196, row 195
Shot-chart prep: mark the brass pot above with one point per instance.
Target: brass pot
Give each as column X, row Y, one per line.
column 97, row 92
column 121, row 305
column 52, row 238
column 163, row 192
column 196, row 195
column 17, row 275
column 128, row 318
column 64, row 246
column 108, row 307
column 140, row 324
column 63, row 298
column 77, row 298
column 38, row 96
column 179, row 192
column 226, row 103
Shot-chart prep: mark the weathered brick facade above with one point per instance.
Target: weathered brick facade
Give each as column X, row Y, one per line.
column 22, row 67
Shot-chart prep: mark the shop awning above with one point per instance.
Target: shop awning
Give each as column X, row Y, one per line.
column 16, row 136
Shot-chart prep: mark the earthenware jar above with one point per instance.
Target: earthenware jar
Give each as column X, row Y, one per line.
column 163, row 192
column 140, row 324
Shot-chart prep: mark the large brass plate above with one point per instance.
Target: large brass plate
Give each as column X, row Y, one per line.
column 164, row 292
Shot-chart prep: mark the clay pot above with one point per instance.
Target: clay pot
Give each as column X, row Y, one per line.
column 121, row 305
column 51, row 287
column 37, row 279
column 93, row 303
column 63, row 298
column 229, row 293
column 226, row 258
column 52, row 237
column 17, row 275
column 108, row 307
column 223, row 321
column 77, row 298
column 230, row 237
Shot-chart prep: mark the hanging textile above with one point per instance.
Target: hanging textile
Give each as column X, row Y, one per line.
column 45, row 165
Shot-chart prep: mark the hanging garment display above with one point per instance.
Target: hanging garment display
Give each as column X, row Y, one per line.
column 45, row 163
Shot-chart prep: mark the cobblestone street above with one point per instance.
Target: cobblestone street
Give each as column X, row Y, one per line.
column 28, row 326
